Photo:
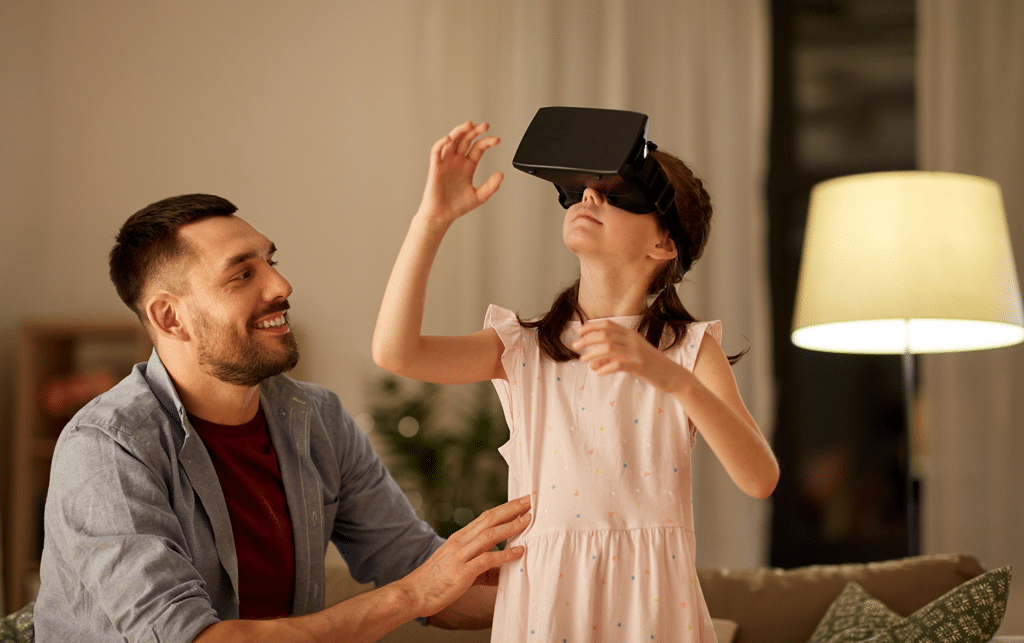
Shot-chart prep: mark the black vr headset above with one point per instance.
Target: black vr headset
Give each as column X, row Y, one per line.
column 607, row 150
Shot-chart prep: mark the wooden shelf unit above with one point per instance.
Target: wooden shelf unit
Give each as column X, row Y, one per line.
column 61, row 365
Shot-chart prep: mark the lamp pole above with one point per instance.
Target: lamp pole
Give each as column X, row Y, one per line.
column 913, row 496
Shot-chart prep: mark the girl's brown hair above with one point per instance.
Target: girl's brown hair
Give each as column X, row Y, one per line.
column 666, row 311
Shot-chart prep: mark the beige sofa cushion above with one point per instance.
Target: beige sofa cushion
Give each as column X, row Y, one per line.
column 784, row 606
column 725, row 630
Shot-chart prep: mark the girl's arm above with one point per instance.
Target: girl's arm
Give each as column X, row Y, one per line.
column 398, row 344
column 709, row 394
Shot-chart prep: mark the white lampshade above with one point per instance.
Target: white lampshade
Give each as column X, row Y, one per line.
column 907, row 262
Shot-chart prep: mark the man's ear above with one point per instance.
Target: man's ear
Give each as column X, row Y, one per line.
column 164, row 312
column 665, row 249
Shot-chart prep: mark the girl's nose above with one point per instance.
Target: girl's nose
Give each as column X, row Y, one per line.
column 593, row 195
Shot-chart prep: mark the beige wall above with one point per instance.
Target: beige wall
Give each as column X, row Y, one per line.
column 21, row 186
column 295, row 111
column 316, row 116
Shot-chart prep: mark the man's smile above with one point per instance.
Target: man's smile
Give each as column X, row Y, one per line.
column 276, row 321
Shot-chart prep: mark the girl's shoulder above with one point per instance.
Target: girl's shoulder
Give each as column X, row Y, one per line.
column 696, row 331
column 503, row 321
column 498, row 316
column 506, row 324
column 685, row 352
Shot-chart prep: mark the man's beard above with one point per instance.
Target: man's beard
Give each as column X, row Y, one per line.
column 242, row 361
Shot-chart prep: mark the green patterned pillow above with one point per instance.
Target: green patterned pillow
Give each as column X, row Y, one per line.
column 970, row 613
column 854, row 616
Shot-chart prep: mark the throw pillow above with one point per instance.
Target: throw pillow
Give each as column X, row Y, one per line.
column 969, row 613
column 754, row 597
column 854, row 616
column 18, row 627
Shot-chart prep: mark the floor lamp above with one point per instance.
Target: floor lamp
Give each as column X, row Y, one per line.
column 906, row 263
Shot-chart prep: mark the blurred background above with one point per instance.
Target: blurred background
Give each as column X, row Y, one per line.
column 315, row 118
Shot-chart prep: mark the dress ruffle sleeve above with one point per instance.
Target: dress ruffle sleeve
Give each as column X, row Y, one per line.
column 687, row 353
column 690, row 346
column 506, row 324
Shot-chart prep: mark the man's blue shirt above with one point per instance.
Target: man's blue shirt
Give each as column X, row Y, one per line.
column 138, row 543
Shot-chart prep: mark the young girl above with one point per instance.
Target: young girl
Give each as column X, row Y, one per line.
column 602, row 422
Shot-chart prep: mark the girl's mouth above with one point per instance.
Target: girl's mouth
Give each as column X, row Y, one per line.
column 583, row 214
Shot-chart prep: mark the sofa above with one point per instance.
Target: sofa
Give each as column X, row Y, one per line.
column 785, row 606
column 764, row 605
column 761, row 605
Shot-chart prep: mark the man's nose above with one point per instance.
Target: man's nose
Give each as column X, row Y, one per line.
column 278, row 288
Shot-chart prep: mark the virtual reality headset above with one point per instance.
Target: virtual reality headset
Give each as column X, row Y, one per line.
column 607, row 150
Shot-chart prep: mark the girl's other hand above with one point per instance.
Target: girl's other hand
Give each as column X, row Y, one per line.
column 608, row 347
column 449, row 192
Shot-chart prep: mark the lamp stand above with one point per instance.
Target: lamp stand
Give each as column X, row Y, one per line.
column 912, row 481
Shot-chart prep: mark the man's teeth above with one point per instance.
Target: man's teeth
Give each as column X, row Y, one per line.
column 271, row 323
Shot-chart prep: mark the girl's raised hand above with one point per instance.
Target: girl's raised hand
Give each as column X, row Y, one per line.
column 608, row 347
column 449, row 192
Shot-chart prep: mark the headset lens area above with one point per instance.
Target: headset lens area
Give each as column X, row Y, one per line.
column 629, row 202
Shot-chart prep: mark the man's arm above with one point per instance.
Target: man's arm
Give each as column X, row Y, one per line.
column 474, row 610
column 466, row 559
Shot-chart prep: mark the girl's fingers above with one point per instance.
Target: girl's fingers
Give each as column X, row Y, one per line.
column 437, row 150
column 602, row 329
column 460, row 129
column 479, row 146
column 462, row 140
column 447, row 144
column 595, row 352
column 595, row 339
column 489, row 187
column 467, row 139
column 465, row 134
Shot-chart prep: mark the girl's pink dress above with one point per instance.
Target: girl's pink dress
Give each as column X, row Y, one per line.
column 610, row 553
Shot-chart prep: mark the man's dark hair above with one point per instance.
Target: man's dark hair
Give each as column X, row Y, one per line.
column 148, row 241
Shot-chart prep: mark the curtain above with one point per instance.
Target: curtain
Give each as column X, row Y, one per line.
column 971, row 120
column 700, row 70
column 316, row 117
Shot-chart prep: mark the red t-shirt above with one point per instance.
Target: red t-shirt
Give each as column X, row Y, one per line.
column 246, row 464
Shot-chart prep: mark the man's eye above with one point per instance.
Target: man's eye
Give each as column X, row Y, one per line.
column 271, row 262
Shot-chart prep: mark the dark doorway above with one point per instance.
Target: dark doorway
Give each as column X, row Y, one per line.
column 843, row 103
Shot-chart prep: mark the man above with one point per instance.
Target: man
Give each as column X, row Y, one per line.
column 194, row 500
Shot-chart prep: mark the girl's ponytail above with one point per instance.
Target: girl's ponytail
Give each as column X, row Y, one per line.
column 564, row 309
column 667, row 312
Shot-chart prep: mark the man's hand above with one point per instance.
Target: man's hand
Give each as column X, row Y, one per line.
column 468, row 558
column 464, row 560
